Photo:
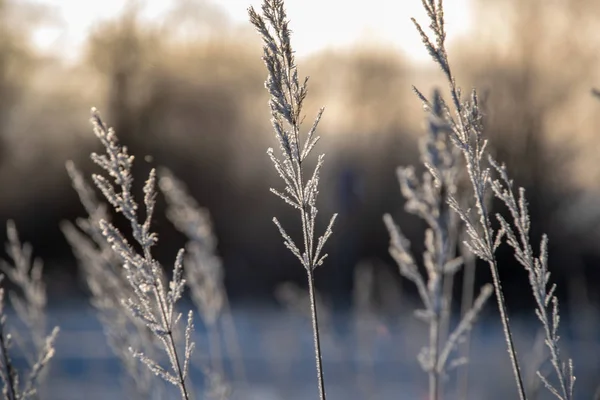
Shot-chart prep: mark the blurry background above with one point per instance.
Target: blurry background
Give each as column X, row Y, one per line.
column 181, row 81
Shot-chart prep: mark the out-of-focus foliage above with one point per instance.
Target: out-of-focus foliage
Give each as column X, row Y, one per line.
column 538, row 73
column 187, row 89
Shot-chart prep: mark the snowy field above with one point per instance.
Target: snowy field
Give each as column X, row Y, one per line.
column 278, row 360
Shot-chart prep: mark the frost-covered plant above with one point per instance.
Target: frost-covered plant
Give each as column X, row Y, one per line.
column 29, row 303
column 110, row 285
column 150, row 300
column 466, row 133
column 287, row 94
column 539, row 278
column 428, row 199
column 106, row 279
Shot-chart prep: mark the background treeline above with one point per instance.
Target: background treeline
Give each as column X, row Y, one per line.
column 188, row 92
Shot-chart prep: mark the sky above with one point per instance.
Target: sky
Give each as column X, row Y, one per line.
column 317, row 24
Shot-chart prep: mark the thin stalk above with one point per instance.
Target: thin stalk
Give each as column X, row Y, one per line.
column 475, row 174
column 440, row 302
column 435, row 322
column 171, row 340
column 308, row 246
column 507, row 332
column 434, row 339
column 448, row 279
column 9, row 382
column 467, row 303
column 493, row 264
column 182, row 387
column 317, row 341
column 448, row 288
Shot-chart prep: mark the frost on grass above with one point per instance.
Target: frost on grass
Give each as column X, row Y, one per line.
column 428, row 199
column 465, row 129
column 108, row 285
column 287, row 94
column 286, row 97
column 134, row 304
column 150, row 300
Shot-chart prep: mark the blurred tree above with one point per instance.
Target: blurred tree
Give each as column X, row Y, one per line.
column 190, row 19
column 125, row 51
column 18, row 21
column 537, row 59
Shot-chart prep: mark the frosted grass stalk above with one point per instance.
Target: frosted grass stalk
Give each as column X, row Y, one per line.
column 287, row 94
column 428, row 199
column 151, row 301
column 466, row 133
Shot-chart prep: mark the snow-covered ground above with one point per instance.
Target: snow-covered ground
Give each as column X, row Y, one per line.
column 278, row 360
